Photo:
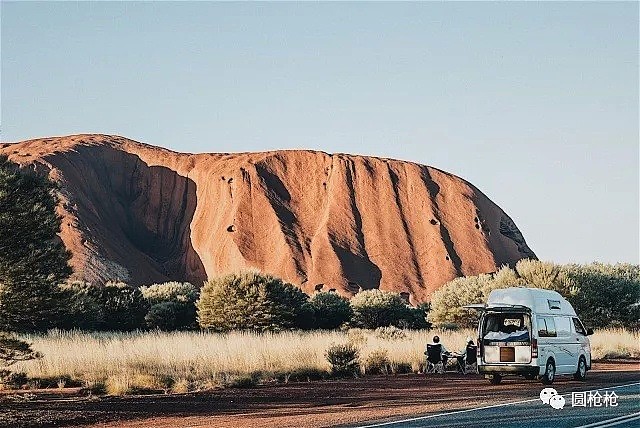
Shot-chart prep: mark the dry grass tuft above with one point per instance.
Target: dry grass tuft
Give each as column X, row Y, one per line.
column 615, row 343
column 181, row 386
column 118, row 384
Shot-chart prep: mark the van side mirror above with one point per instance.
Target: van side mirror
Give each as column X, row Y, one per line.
column 589, row 331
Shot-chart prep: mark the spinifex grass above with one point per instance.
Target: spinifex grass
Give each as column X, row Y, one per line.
column 156, row 360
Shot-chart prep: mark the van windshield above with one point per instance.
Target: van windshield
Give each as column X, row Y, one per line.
column 506, row 327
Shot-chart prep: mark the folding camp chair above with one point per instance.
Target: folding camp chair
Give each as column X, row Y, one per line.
column 434, row 359
column 471, row 360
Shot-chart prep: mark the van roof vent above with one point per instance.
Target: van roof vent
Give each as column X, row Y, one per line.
column 554, row 304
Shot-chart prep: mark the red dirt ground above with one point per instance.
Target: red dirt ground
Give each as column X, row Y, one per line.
column 314, row 404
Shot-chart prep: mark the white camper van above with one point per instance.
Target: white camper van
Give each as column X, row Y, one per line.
column 533, row 333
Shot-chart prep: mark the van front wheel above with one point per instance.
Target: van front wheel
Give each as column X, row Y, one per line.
column 549, row 372
column 581, row 373
column 495, row 379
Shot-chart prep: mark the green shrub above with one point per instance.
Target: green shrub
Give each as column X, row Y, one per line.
column 376, row 308
column 343, row 360
column 124, row 307
column 536, row 273
column 415, row 318
column 447, row 301
column 377, row 362
column 179, row 292
column 250, row 300
column 114, row 307
column 162, row 316
column 330, row 310
column 83, row 310
column 306, row 317
column 603, row 295
column 179, row 301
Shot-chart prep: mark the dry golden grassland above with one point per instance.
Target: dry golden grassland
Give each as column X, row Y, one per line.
column 183, row 361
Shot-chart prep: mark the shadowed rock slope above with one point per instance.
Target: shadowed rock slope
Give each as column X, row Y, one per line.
column 145, row 214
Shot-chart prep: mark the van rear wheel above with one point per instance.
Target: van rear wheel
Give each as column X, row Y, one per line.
column 581, row 373
column 549, row 372
column 495, row 379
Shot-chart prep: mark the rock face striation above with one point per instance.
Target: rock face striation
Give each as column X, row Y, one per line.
column 144, row 214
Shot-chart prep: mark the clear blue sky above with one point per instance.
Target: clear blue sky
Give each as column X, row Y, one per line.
column 534, row 103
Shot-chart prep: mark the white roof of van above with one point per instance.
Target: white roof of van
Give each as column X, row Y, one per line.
column 537, row 299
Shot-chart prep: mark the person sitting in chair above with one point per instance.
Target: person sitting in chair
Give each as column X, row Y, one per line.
column 443, row 350
column 462, row 358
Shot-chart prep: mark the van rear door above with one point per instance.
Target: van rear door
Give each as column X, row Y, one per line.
column 505, row 336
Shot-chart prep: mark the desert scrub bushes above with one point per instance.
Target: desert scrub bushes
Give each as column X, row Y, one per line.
column 377, row 362
column 606, row 295
column 179, row 292
column 343, row 359
column 377, row 308
column 120, row 307
column 603, row 295
column 83, row 309
column 172, row 305
column 114, row 307
column 239, row 301
column 250, row 300
column 328, row 310
column 447, row 302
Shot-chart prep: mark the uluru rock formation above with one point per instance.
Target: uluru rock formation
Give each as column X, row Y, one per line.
column 144, row 214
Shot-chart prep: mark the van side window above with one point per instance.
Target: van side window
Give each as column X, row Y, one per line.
column 546, row 327
column 563, row 326
column 579, row 327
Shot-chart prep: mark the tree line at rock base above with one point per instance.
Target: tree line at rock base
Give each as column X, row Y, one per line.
column 240, row 301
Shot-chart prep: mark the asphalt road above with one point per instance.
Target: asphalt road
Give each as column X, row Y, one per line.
column 530, row 413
